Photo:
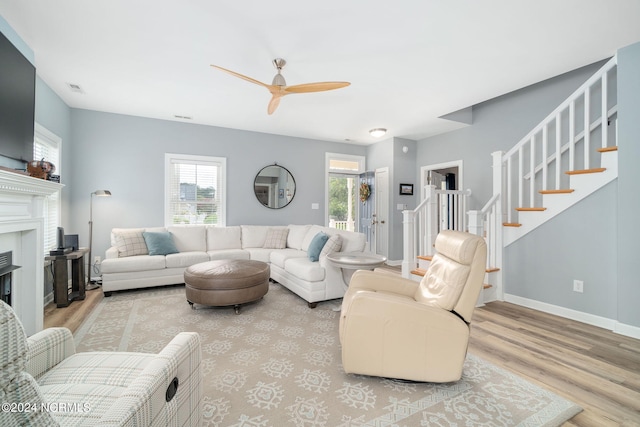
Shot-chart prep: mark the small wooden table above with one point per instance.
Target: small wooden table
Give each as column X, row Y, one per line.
column 61, row 295
column 349, row 262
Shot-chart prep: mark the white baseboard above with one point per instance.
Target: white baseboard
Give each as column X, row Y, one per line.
column 590, row 319
column 394, row 263
column 48, row 298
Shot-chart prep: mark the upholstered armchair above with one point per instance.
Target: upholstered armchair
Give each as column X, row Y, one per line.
column 44, row 382
column 398, row 328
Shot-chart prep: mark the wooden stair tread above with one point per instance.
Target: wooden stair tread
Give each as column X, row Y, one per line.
column 585, row 171
column 563, row 191
column 422, row 271
column 607, row 149
column 425, row 257
column 531, row 209
column 511, row 224
column 487, row 286
column 419, row 271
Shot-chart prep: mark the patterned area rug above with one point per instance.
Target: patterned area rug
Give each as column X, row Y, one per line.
column 278, row 363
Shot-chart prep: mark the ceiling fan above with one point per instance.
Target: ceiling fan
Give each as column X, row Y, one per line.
column 279, row 88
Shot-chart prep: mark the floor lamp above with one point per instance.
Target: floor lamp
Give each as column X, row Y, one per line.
column 101, row 193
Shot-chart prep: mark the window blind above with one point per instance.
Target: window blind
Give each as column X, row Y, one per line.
column 195, row 190
column 46, row 147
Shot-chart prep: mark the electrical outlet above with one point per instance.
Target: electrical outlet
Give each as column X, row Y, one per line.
column 578, row 286
column 97, row 260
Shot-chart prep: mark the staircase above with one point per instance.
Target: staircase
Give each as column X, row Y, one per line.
column 565, row 158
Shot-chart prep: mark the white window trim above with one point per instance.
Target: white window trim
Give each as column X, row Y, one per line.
column 327, row 170
column 222, row 191
column 44, row 134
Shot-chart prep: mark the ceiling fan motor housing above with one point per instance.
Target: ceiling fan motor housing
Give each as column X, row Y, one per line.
column 278, row 79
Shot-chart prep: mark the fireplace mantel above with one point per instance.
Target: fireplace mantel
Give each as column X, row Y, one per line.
column 21, row 231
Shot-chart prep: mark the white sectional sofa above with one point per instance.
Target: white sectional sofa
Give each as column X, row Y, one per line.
column 127, row 264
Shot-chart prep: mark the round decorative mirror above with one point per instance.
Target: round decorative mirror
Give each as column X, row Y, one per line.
column 274, row 186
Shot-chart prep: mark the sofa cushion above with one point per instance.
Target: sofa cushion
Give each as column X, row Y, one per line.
column 186, row 259
column 260, row 254
column 228, row 254
column 316, row 245
column 159, row 243
column 189, row 238
column 352, row 241
column 276, row 238
column 296, row 235
column 281, row 256
column 136, row 263
column 305, row 269
column 130, row 243
column 223, row 238
column 333, row 245
column 254, row 236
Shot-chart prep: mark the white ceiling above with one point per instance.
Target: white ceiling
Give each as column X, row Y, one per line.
column 408, row 61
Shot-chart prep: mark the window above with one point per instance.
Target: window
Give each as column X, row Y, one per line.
column 47, row 146
column 342, row 190
column 195, row 189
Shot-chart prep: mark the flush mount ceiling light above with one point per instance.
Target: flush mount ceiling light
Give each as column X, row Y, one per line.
column 377, row 132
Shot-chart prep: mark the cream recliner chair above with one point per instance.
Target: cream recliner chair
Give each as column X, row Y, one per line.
column 398, row 328
column 44, row 382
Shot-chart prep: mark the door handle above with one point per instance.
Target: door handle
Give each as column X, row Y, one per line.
column 382, row 222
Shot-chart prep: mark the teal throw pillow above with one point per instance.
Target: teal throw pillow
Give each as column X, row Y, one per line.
column 316, row 245
column 160, row 243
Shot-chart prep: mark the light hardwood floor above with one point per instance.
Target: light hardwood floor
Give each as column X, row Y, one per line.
column 593, row 367
column 71, row 317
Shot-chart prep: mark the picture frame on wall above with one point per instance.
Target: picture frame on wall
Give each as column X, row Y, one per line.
column 406, row 189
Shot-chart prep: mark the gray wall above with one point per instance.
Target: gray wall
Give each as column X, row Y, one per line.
column 498, row 124
column 580, row 243
column 628, row 206
column 125, row 154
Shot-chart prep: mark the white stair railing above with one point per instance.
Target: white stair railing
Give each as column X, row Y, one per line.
column 562, row 143
column 439, row 210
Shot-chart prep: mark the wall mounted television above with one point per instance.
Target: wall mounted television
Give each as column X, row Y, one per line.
column 17, row 102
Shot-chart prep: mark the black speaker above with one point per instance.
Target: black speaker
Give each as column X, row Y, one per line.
column 60, row 238
column 71, row 241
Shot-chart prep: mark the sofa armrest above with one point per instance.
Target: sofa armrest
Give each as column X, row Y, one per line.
column 111, row 253
column 144, row 402
column 47, row 348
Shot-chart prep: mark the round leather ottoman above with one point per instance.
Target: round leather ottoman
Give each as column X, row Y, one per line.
column 226, row 282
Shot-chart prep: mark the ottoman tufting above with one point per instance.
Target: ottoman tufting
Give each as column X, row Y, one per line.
column 226, row 282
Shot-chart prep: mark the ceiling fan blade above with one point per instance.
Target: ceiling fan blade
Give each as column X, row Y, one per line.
column 242, row 76
column 315, row 87
column 273, row 104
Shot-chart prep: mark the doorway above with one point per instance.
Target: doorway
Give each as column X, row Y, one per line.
column 444, row 176
column 381, row 214
column 343, row 205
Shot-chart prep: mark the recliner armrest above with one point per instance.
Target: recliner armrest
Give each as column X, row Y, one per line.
column 47, row 348
column 144, row 402
column 381, row 282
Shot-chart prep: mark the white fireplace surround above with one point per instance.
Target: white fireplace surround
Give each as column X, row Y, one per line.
column 21, row 231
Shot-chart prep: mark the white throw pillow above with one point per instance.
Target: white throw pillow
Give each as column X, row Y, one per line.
column 333, row 245
column 276, row 238
column 130, row 243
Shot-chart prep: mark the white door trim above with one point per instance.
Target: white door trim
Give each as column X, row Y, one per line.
column 445, row 165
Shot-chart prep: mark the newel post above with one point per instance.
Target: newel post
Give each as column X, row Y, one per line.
column 476, row 223
column 432, row 220
column 408, row 235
